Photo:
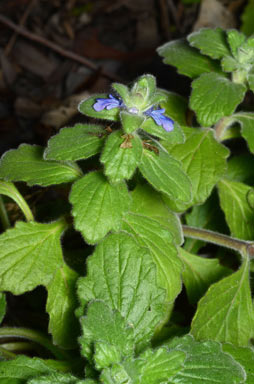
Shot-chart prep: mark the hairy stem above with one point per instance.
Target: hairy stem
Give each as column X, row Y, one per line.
column 221, row 127
column 35, row 336
column 246, row 248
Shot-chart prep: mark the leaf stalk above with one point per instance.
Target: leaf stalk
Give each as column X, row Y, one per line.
column 35, row 336
column 246, row 248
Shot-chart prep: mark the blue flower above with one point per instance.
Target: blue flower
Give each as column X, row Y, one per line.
column 160, row 119
column 108, row 104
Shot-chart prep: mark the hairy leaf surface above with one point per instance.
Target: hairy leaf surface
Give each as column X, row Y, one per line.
column 58, row 378
column 160, row 243
column 225, row 313
column 151, row 367
column 207, row 216
column 61, row 304
column 214, row 96
column 199, row 273
column 98, row 205
column 30, row 254
column 22, row 368
column 244, row 356
column 166, row 175
column 121, row 156
column 238, row 211
column 211, row 42
column 108, row 333
column 123, row 275
column 186, row 59
column 75, row 143
column 203, row 160
column 147, row 202
column 246, row 120
column 205, row 363
column 27, row 164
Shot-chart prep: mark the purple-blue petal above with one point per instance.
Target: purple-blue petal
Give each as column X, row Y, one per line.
column 107, row 104
column 160, row 119
column 168, row 124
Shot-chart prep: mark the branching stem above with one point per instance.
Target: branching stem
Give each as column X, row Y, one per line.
column 246, row 248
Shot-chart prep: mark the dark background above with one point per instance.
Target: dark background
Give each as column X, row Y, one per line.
column 40, row 88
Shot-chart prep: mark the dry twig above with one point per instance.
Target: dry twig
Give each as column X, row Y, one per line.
column 22, row 22
column 61, row 51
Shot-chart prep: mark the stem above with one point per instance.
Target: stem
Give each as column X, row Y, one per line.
column 35, row 336
column 221, row 127
column 7, row 354
column 18, row 346
column 8, row 189
column 24, row 206
column 3, row 215
column 239, row 77
column 242, row 246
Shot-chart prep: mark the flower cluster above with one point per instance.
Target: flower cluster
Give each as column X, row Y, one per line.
column 156, row 114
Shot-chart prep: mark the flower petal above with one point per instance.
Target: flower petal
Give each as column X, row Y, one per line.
column 160, row 119
column 108, row 104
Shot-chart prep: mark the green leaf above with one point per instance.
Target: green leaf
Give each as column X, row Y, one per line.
column 238, row 212
column 225, row 313
column 142, row 92
column 58, row 378
column 151, row 367
column 250, row 79
column 2, row 307
column 205, row 363
column 199, row 273
column 159, row 365
column 214, row 97
column 229, row 64
column 175, row 106
column 86, row 107
column 30, row 254
column 147, row 202
column 166, row 175
column 235, row 40
column 61, row 304
column 203, row 168
column 121, row 156
column 98, row 206
column 130, row 121
column 175, row 136
column 246, row 120
column 75, row 143
column 240, row 168
column 208, row 216
column 211, row 42
column 122, row 91
column 245, row 357
column 26, row 164
column 107, row 333
column 22, row 368
column 247, row 18
column 123, row 275
column 160, row 243
column 188, row 60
